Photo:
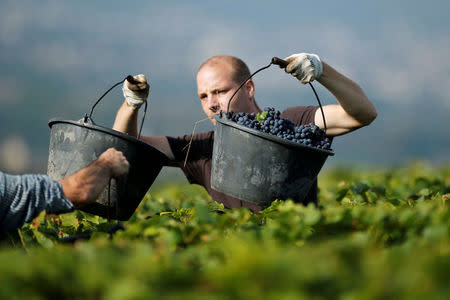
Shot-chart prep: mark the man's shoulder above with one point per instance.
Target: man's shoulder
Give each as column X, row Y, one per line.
column 300, row 109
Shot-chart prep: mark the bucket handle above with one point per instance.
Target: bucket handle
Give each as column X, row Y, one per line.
column 282, row 64
column 130, row 79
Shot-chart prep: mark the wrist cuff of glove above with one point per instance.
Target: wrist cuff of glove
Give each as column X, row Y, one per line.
column 134, row 99
column 134, row 103
column 316, row 63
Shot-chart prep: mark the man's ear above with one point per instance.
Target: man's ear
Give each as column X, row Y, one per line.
column 250, row 88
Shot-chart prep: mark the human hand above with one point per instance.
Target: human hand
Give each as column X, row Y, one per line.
column 305, row 67
column 116, row 161
column 136, row 94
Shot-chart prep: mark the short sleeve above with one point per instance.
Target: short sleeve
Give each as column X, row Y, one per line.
column 300, row 114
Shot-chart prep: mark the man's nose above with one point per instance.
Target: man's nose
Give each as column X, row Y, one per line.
column 213, row 102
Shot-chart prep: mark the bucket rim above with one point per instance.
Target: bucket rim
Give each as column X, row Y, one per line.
column 103, row 129
column 273, row 138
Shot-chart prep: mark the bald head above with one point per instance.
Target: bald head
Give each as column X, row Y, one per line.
column 240, row 71
column 218, row 80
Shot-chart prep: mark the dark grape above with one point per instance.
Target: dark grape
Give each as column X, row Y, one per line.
column 270, row 122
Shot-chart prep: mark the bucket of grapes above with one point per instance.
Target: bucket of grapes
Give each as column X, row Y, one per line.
column 260, row 158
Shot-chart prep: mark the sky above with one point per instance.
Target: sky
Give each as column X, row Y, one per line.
column 58, row 57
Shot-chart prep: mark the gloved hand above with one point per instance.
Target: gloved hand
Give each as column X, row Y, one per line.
column 305, row 66
column 136, row 94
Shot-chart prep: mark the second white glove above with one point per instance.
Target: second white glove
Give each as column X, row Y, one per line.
column 305, row 67
column 136, row 94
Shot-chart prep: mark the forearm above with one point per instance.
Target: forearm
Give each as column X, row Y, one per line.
column 126, row 120
column 86, row 185
column 349, row 94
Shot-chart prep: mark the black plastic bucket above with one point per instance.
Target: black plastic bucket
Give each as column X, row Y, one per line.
column 75, row 144
column 258, row 167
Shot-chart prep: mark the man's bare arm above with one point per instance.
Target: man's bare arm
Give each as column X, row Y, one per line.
column 127, row 116
column 126, row 122
column 86, row 185
column 355, row 110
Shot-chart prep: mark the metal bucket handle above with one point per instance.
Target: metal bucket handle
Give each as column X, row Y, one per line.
column 130, row 79
column 282, row 64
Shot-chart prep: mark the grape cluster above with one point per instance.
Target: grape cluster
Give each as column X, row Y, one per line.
column 270, row 122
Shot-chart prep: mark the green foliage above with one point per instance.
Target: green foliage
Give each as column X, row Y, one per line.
column 375, row 235
column 261, row 116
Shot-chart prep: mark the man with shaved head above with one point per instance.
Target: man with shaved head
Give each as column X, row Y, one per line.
column 217, row 80
column 222, row 75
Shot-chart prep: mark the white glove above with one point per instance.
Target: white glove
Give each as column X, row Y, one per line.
column 136, row 94
column 305, row 66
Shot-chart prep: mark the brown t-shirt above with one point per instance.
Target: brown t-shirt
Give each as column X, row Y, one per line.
column 198, row 165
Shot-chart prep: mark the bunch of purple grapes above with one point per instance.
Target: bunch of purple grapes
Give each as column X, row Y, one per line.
column 270, row 122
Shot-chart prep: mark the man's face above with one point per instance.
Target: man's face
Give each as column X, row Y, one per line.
column 215, row 86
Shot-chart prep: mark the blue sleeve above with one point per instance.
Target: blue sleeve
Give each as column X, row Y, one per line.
column 23, row 197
